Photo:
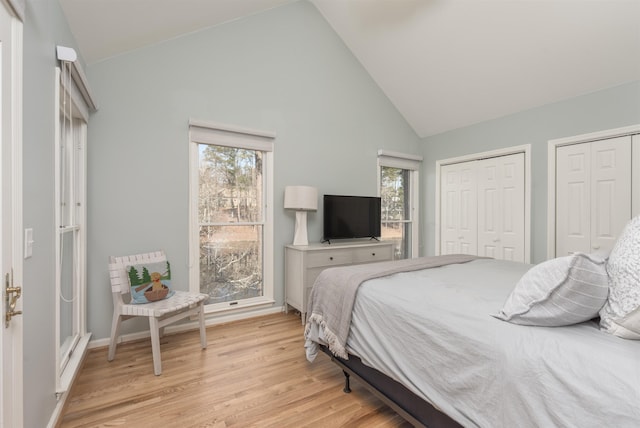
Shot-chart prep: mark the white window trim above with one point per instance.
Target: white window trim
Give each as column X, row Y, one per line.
column 552, row 146
column 65, row 373
column 412, row 163
column 526, row 149
column 203, row 132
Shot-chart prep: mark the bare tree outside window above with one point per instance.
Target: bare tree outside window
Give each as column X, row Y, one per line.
column 231, row 222
column 396, row 221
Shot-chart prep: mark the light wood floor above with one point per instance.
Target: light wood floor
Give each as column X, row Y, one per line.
column 253, row 374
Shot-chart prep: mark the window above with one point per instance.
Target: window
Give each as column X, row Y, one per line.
column 231, row 219
column 398, row 187
column 72, row 107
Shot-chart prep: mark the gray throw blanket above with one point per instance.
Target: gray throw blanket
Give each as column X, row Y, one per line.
column 334, row 292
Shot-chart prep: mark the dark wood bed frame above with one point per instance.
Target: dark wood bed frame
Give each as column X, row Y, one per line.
column 414, row 409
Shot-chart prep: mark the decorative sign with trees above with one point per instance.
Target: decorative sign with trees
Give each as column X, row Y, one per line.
column 150, row 282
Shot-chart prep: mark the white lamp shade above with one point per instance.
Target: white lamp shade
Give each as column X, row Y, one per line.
column 301, row 198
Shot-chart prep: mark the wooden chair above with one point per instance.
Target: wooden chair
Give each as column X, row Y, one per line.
column 161, row 313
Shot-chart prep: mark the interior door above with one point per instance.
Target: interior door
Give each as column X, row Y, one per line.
column 610, row 190
column 573, row 199
column 593, row 195
column 501, row 207
column 10, row 220
column 458, row 204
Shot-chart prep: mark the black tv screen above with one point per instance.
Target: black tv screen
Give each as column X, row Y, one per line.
column 348, row 217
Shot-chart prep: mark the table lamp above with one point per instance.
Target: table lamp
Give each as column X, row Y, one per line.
column 301, row 199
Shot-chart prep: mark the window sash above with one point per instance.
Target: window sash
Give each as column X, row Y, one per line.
column 70, row 221
column 409, row 246
column 230, row 136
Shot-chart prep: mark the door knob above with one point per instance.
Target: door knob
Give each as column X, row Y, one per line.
column 12, row 294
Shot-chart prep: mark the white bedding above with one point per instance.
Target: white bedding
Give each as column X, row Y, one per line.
column 432, row 330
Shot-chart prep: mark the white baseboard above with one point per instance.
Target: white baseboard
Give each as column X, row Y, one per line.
column 192, row 325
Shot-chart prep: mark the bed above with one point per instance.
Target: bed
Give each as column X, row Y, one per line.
column 428, row 342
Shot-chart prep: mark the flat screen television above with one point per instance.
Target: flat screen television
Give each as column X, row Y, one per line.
column 347, row 217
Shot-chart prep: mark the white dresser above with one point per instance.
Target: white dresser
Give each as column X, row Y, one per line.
column 303, row 264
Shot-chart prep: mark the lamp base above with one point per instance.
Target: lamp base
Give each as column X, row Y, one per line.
column 300, row 234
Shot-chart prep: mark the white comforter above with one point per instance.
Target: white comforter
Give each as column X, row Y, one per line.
column 432, row 330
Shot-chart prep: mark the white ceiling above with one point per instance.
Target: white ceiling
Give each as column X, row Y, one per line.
column 444, row 64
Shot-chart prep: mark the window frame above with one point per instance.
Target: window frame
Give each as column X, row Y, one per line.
column 72, row 107
column 201, row 132
column 412, row 164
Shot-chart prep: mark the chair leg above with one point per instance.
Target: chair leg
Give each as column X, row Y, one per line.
column 203, row 331
column 155, row 345
column 115, row 332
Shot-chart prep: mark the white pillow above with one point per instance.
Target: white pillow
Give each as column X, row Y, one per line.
column 561, row 291
column 618, row 316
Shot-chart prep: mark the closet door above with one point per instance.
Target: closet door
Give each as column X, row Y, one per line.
column 610, row 191
column 573, row 199
column 458, row 230
column 501, row 207
column 593, row 195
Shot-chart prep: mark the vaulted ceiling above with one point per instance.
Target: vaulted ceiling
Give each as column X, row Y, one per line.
column 444, row 64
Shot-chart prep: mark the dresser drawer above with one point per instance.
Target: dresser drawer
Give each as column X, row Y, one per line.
column 329, row 258
column 373, row 254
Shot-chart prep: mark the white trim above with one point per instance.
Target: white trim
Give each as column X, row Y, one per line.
column 394, row 154
column 57, row 113
column 17, row 50
column 69, row 56
column 220, row 137
column 231, row 128
column 594, row 136
column 79, row 78
column 526, row 149
column 14, row 415
column 399, row 160
column 553, row 145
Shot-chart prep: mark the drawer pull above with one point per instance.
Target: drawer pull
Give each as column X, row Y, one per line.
column 373, row 254
column 331, row 258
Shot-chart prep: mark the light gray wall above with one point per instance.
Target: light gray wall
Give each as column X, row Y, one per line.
column 44, row 28
column 284, row 70
column 607, row 109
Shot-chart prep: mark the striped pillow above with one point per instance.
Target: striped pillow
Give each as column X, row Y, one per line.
column 561, row 291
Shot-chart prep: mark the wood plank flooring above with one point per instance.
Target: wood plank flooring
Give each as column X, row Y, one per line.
column 253, row 374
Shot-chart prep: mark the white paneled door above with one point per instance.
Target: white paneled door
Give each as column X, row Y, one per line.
column 458, row 206
column 10, row 219
column 482, row 207
column 501, row 207
column 593, row 194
